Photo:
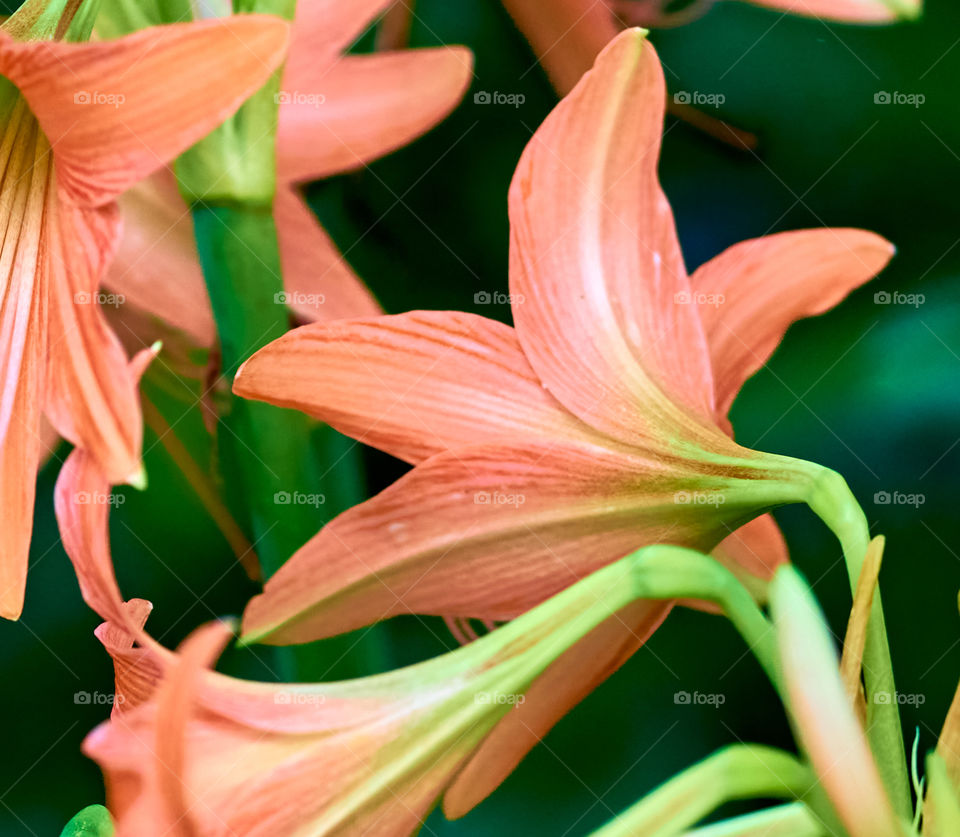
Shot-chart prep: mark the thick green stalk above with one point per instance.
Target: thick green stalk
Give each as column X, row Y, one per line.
column 264, row 451
column 835, row 504
column 271, row 472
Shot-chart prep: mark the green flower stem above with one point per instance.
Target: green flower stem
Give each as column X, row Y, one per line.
column 265, row 451
column 269, row 464
column 835, row 504
column 741, row 771
column 791, row 820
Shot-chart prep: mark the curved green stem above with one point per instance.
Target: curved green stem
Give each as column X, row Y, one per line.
column 741, row 771
column 834, row 503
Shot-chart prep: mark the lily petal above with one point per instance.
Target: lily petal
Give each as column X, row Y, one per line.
column 565, row 37
column 323, row 29
column 412, row 384
column 116, row 111
column 320, row 285
column 598, row 280
column 764, row 285
column 81, row 503
column 822, row 714
column 156, row 267
column 371, row 105
column 92, row 399
column 486, row 531
column 24, row 190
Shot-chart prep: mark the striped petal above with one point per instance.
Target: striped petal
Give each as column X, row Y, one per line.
column 25, row 185
column 116, row 111
column 337, row 118
column 759, row 288
column 489, row 531
column 413, row 384
column 600, row 292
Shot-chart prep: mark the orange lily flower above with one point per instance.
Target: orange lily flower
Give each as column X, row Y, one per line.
column 595, row 426
column 82, row 122
column 208, row 754
column 336, row 113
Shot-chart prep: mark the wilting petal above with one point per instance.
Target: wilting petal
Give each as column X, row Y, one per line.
column 491, row 530
column 116, row 111
column 566, row 36
column 156, row 267
column 81, row 502
column 600, row 289
column 320, row 285
column 561, row 687
column 760, row 287
column 24, row 188
column 411, row 384
column 338, row 118
column 822, row 714
column 851, row 11
column 92, row 399
column 137, row 670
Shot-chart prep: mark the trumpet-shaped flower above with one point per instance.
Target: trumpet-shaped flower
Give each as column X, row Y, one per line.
column 81, row 123
column 595, row 426
column 208, row 754
column 336, row 113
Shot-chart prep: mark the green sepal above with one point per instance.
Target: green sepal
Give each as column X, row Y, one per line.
column 92, row 821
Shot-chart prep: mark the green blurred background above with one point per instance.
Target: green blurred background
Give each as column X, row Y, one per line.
column 870, row 389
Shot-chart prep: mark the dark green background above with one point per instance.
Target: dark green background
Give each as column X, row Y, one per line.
column 871, row 390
